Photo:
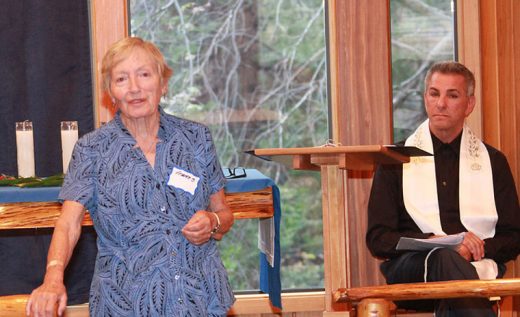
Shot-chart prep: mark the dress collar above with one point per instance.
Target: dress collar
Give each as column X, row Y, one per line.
column 162, row 134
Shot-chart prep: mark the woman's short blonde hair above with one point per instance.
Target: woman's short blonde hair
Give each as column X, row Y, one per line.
column 122, row 48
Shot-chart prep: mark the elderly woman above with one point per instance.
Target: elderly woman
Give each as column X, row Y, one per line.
column 154, row 189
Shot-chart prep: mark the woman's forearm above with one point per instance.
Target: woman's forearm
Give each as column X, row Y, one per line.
column 65, row 237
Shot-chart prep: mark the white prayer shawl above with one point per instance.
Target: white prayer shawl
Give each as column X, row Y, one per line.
column 476, row 196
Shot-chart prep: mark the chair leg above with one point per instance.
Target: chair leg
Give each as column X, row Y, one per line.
column 373, row 307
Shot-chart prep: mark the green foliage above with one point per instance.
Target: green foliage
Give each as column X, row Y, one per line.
column 241, row 256
column 302, row 246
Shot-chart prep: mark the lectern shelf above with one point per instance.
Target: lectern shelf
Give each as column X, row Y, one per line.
column 357, row 157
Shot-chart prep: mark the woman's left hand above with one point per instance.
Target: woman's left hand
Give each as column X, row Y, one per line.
column 198, row 229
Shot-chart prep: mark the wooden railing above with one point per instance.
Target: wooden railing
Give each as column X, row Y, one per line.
column 13, row 305
column 375, row 300
column 254, row 204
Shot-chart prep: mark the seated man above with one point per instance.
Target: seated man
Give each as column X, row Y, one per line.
column 466, row 186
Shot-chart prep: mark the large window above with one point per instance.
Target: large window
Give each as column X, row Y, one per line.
column 422, row 33
column 254, row 71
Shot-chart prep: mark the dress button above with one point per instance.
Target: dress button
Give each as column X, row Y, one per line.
column 180, row 301
column 163, row 208
column 177, row 276
column 168, row 231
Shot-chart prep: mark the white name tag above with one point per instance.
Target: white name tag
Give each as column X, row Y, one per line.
column 183, row 180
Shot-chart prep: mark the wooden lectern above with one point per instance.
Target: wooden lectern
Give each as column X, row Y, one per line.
column 334, row 162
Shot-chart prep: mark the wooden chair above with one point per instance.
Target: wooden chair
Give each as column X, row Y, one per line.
column 376, row 300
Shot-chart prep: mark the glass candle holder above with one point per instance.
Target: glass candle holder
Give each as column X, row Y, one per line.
column 69, row 136
column 25, row 149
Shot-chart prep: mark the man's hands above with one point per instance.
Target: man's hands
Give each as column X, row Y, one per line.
column 472, row 247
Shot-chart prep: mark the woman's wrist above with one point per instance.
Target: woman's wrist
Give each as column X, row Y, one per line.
column 216, row 227
column 53, row 263
column 54, row 274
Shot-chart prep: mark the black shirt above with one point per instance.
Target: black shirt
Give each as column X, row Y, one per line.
column 388, row 219
column 447, row 157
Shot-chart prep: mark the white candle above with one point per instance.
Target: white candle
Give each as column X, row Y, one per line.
column 69, row 136
column 25, row 149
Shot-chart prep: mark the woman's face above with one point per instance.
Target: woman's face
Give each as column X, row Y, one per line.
column 136, row 85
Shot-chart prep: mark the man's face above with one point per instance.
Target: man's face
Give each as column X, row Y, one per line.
column 447, row 105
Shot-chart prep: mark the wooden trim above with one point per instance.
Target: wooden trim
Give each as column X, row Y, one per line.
column 490, row 73
column 469, row 53
column 500, row 25
column 244, row 305
column 500, row 51
column 335, row 249
column 13, row 305
column 362, row 106
column 291, row 302
column 334, row 80
column 432, row 290
column 364, row 81
column 354, row 157
column 109, row 23
column 254, row 204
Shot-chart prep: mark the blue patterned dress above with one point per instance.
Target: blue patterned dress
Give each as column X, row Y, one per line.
column 144, row 265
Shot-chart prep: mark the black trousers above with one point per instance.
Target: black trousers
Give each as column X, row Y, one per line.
column 443, row 265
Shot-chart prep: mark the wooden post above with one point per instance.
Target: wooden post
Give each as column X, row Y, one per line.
column 373, row 307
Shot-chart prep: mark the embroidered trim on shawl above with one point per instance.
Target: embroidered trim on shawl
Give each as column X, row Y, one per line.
column 476, row 196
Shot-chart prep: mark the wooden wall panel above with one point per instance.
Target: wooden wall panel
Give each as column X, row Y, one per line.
column 362, row 105
column 109, row 23
column 309, row 304
column 468, row 47
column 500, row 33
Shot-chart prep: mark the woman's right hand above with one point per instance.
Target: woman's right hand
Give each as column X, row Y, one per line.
column 43, row 300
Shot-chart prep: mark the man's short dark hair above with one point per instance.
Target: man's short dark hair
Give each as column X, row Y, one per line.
column 452, row 67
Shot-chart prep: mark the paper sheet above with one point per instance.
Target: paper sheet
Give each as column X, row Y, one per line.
column 449, row 241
